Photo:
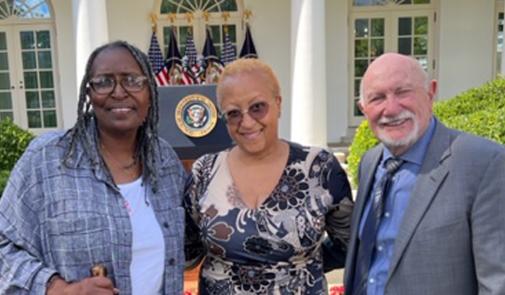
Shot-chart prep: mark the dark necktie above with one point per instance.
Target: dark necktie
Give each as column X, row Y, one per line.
column 369, row 235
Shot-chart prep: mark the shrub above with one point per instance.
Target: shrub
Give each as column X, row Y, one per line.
column 4, row 176
column 480, row 111
column 13, row 142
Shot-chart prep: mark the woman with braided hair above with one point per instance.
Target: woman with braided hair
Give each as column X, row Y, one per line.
column 108, row 191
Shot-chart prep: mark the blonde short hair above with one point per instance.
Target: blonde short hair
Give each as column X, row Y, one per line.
column 248, row 66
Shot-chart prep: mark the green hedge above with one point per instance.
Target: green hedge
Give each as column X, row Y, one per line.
column 13, row 142
column 480, row 111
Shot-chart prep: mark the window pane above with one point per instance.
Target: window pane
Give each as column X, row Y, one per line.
column 421, row 25
column 184, row 31
column 27, row 40
column 369, row 2
column 377, row 47
column 402, row 2
column 45, row 61
column 48, row 99
column 405, row 45
column 43, row 40
column 357, row 82
column 29, row 60
column 229, row 5
column 360, row 67
column 5, row 101
column 5, row 115
column 377, row 27
column 232, row 32
column 420, row 45
column 421, row 1
column 361, row 48
column 46, row 79
column 168, row 7
column 5, row 82
column 166, row 35
column 34, row 120
column 361, row 28
column 32, row 99
column 31, row 80
column 404, row 26
column 49, row 119
column 4, row 62
column 215, row 35
column 3, row 41
column 357, row 111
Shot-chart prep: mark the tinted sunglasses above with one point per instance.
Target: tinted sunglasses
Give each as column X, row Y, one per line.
column 257, row 111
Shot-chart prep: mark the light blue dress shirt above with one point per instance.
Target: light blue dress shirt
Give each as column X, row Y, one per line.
column 396, row 204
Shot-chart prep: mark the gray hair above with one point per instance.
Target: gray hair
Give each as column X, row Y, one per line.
column 147, row 136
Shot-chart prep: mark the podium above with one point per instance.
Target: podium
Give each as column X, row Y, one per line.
column 188, row 120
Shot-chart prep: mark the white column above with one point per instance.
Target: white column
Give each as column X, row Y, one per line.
column 90, row 30
column 308, row 54
column 503, row 49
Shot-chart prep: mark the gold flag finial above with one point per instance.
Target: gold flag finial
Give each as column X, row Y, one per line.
column 189, row 17
column 226, row 16
column 154, row 21
column 247, row 14
column 171, row 17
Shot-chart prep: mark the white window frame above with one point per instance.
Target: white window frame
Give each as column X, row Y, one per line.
column 391, row 13
column 13, row 26
column 199, row 21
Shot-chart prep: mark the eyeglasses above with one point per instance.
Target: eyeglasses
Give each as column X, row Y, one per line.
column 107, row 84
column 257, row 111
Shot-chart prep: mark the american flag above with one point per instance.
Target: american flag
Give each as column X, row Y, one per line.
column 229, row 53
column 157, row 62
column 190, row 50
column 191, row 68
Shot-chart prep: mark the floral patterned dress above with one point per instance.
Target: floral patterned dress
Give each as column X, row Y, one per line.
column 276, row 248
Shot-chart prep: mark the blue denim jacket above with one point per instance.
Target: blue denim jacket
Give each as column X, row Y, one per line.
column 64, row 219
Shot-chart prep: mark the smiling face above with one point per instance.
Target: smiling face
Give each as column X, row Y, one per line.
column 242, row 91
column 119, row 111
column 397, row 101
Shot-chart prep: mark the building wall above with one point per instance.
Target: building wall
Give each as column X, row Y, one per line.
column 466, row 42
column 464, row 56
column 65, row 58
column 271, row 31
column 337, row 69
column 130, row 20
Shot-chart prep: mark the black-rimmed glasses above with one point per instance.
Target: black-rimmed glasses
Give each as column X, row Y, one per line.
column 106, row 84
column 257, row 111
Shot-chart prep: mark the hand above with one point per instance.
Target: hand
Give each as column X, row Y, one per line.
column 92, row 286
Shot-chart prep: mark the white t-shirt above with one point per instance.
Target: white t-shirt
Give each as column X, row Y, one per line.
column 148, row 249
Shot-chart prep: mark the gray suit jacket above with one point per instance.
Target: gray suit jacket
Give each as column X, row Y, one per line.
column 452, row 238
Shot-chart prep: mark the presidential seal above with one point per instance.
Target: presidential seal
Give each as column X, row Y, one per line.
column 196, row 115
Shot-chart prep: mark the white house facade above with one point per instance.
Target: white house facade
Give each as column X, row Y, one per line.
column 318, row 48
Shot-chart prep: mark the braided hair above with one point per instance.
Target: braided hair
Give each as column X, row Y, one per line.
column 147, row 137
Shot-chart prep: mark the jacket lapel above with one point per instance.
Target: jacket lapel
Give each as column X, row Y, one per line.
column 431, row 176
column 366, row 180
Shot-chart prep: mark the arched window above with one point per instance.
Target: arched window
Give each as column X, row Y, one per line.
column 378, row 26
column 27, row 70
column 195, row 16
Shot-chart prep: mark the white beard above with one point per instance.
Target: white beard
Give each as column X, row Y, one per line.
column 408, row 140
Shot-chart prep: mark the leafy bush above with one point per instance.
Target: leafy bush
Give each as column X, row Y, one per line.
column 4, row 176
column 480, row 111
column 13, row 142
